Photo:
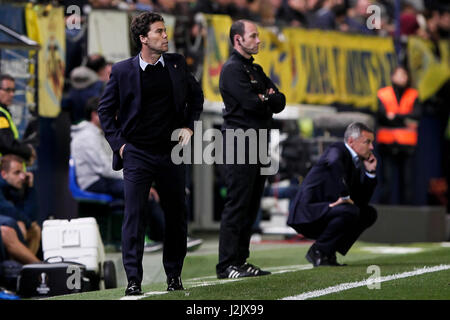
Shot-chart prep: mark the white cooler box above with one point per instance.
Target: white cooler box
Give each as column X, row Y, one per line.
column 76, row 240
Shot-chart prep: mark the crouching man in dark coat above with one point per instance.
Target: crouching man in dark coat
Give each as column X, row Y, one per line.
column 332, row 204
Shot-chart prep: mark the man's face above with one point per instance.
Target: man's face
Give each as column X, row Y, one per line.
column 363, row 145
column 156, row 39
column 250, row 41
column 7, row 88
column 15, row 176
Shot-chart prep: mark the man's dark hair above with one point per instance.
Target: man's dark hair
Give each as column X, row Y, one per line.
column 355, row 129
column 140, row 25
column 238, row 27
column 91, row 105
column 5, row 76
column 5, row 162
column 96, row 62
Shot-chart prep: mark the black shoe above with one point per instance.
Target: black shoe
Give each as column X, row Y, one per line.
column 254, row 270
column 317, row 257
column 133, row 289
column 232, row 272
column 174, row 284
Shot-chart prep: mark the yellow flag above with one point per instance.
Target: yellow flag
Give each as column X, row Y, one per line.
column 216, row 53
column 46, row 26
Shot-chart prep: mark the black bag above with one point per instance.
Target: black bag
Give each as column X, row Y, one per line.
column 52, row 278
column 9, row 272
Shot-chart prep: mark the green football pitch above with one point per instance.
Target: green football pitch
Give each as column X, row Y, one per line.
column 416, row 271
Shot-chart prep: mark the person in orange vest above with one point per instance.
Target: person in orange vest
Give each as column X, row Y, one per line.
column 397, row 121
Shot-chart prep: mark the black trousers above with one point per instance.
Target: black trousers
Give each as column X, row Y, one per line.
column 339, row 229
column 245, row 186
column 141, row 169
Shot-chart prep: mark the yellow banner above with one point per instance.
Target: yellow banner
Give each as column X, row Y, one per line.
column 313, row 67
column 428, row 72
column 216, row 53
column 318, row 67
column 46, row 26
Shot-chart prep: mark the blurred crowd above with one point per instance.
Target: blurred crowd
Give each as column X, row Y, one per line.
column 429, row 19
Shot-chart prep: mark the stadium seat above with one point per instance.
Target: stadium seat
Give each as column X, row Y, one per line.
column 82, row 195
column 112, row 206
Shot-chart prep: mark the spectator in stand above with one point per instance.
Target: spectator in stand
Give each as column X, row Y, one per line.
column 99, row 65
column 296, row 14
column 357, row 18
column 243, row 10
column 9, row 135
column 85, row 84
column 18, row 199
column 408, row 20
column 340, row 14
column 144, row 5
column 165, row 6
column 325, row 16
column 274, row 12
column 215, row 7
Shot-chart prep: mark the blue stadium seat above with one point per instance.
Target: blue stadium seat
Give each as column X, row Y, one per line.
column 82, row 195
column 114, row 206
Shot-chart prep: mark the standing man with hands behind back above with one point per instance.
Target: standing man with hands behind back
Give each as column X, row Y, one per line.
column 146, row 99
column 250, row 99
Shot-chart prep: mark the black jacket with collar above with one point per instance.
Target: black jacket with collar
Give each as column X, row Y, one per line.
column 333, row 176
column 240, row 82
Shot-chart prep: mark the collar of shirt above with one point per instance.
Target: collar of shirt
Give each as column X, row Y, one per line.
column 352, row 152
column 144, row 64
column 240, row 56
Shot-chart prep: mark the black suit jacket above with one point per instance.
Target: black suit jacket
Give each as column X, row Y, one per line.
column 121, row 101
column 333, row 176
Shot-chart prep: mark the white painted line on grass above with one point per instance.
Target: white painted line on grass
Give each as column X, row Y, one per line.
column 371, row 281
column 147, row 294
column 391, row 250
column 202, row 281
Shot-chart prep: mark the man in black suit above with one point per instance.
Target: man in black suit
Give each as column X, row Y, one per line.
column 146, row 99
column 331, row 205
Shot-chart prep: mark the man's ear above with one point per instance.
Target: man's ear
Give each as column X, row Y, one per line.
column 350, row 141
column 3, row 173
column 237, row 39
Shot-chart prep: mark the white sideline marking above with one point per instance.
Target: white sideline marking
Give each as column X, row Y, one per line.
column 392, row 250
column 147, row 294
column 201, row 282
column 371, row 281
